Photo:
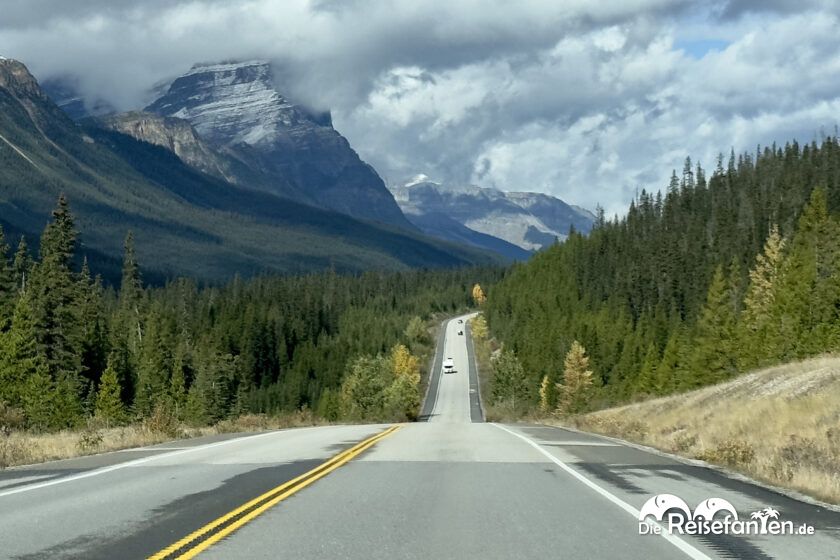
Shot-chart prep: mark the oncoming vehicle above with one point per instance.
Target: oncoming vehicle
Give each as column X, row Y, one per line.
column 448, row 365
column 461, row 332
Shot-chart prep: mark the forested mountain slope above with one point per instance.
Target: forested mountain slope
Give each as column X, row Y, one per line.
column 184, row 221
column 712, row 277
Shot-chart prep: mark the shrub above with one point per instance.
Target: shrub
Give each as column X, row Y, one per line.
column 163, row 420
column 730, row 452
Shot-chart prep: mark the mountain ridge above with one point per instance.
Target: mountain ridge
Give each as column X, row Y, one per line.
column 185, row 221
column 236, row 107
column 528, row 220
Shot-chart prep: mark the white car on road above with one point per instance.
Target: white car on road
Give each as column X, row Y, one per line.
column 448, row 365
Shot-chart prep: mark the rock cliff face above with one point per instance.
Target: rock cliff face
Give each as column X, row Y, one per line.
column 530, row 221
column 16, row 79
column 177, row 135
column 236, row 108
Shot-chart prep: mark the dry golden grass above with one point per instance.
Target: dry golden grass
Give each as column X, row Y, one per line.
column 23, row 448
column 780, row 425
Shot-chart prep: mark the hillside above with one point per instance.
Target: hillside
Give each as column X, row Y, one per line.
column 778, row 425
column 184, row 221
column 712, row 278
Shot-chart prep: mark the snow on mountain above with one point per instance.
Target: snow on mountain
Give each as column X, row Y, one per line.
column 236, row 107
column 531, row 221
column 230, row 103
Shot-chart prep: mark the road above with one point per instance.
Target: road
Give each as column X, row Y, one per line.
column 450, row 487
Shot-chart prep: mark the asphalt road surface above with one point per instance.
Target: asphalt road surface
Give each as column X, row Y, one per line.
column 450, row 487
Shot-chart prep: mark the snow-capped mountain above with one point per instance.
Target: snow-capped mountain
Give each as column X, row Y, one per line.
column 530, row 221
column 138, row 173
column 237, row 108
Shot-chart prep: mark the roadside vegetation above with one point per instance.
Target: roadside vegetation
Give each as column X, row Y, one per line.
column 712, row 278
column 699, row 286
column 139, row 364
column 24, row 447
column 780, row 425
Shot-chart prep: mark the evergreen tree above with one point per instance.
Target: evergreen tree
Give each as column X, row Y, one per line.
column 109, row 406
column 20, row 358
column 648, row 382
column 509, row 385
column 714, row 357
column 55, row 305
column 154, row 369
column 674, row 368
column 24, row 376
column 94, row 340
column 55, row 299
column 131, row 295
column 181, row 374
column 805, row 305
column 22, row 265
column 7, row 284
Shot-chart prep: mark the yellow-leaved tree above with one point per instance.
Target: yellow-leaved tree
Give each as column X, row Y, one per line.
column 577, row 380
column 546, row 394
column 478, row 295
column 757, row 317
column 403, row 396
column 478, row 328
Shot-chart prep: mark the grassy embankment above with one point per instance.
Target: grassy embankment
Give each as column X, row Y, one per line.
column 779, row 425
column 26, row 448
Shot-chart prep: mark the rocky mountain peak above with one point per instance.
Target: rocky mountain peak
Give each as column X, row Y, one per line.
column 232, row 103
column 236, row 106
column 15, row 77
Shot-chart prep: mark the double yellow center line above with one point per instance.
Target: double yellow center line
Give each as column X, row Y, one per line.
column 197, row 541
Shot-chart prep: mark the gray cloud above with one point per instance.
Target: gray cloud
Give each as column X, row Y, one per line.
column 585, row 100
column 738, row 8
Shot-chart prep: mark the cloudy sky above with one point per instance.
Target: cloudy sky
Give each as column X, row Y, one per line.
column 585, row 100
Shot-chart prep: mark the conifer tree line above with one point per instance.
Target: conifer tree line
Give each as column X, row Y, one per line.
column 72, row 348
column 713, row 277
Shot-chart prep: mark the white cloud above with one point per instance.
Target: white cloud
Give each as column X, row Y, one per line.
column 585, row 100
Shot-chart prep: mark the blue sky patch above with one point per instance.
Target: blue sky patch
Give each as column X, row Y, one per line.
column 698, row 48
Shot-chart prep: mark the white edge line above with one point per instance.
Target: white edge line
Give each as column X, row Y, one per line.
column 135, row 462
column 443, row 326
column 686, row 548
column 443, row 358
